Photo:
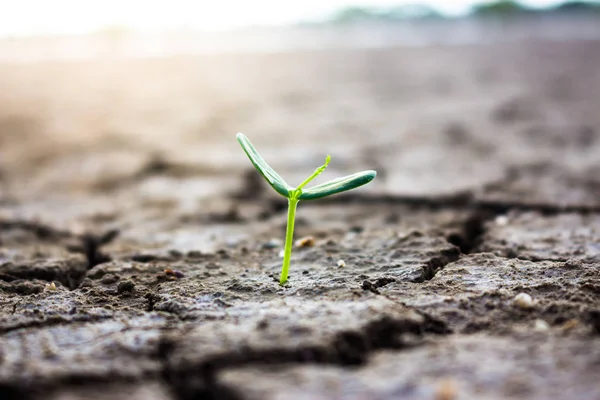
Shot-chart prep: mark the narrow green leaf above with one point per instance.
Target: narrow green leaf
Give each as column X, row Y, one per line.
column 265, row 169
column 338, row 185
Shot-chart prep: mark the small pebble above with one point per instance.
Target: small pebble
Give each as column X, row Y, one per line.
column 281, row 253
column 524, row 301
column 502, row 220
column 174, row 272
column 570, row 324
column 541, row 326
column 50, row 286
column 447, row 390
column 307, row 241
column 341, row 263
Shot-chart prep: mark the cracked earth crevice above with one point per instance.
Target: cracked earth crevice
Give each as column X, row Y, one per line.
column 349, row 348
column 460, row 201
column 436, row 264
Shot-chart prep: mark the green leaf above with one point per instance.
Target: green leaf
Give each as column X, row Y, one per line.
column 338, row 185
column 265, row 169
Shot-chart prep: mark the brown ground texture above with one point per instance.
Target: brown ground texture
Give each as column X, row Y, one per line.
column 488, row 188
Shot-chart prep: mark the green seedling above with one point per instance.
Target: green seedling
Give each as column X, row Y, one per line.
column 294, row 195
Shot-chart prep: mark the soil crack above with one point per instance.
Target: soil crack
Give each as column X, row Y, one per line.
column 471, row 232
column 436, row 264
column 460, row 201
column 348, row 348
column 381, row 282
column 52, row 320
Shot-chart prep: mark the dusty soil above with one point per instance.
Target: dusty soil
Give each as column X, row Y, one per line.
column 489, row 188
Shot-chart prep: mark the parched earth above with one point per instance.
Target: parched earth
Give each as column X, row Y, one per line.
column 140, row 252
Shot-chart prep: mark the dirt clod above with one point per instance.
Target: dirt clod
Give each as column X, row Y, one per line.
column 125, row 286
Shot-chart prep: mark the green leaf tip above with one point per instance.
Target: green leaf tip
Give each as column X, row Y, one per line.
column 261, row 166
column 338, row 185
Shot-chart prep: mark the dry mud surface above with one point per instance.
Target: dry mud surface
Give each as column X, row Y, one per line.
column 488, row 191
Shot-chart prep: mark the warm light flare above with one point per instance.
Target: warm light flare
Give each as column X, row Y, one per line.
column 40, row 17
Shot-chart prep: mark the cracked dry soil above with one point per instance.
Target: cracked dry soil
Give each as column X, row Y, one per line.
column 139, row 254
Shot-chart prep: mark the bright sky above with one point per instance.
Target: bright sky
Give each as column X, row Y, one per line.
column 31, row 17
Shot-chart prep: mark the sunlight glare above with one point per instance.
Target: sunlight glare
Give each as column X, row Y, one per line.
column 35, row 17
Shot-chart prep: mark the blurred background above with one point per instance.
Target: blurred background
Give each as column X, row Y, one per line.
column 34, row 30
column 138, row 102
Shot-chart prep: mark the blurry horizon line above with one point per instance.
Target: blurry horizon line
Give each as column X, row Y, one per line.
column 353, row 13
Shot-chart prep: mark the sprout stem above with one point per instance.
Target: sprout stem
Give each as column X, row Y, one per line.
column 294, row 195
column 289, row 239
column 293, row 199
